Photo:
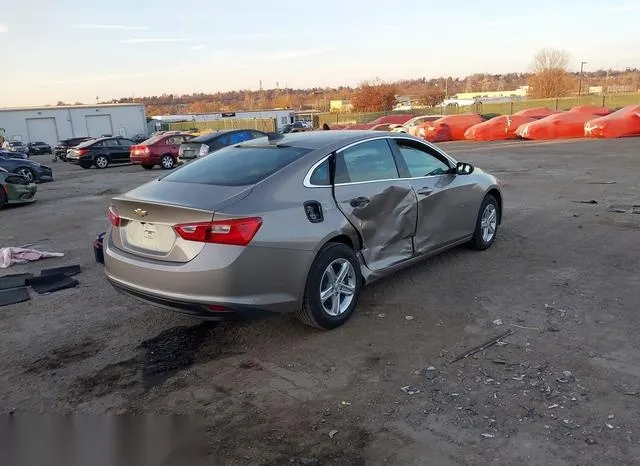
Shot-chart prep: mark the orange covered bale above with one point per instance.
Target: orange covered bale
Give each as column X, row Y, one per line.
column 452, row 126
column 593, row 109
column 560, row 126
column 497, row 129
column 538, row 112
column 623, row 123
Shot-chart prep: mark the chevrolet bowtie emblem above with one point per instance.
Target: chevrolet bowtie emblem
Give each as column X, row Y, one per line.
column 140, row 212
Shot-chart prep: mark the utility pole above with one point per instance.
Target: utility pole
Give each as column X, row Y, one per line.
column 582, row 63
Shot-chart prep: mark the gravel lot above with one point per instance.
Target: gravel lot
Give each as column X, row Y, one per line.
column 563, row 275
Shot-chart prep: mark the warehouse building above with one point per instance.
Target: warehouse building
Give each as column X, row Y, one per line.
column 52, row 124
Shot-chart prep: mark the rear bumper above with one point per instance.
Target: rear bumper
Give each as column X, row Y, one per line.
column 199, row 311
column 247, row 282
column 144, row 160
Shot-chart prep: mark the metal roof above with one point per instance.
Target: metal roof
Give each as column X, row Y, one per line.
column 57, row 107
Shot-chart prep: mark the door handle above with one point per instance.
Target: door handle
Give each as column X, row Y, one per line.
column 424, row 191
column 359, row 201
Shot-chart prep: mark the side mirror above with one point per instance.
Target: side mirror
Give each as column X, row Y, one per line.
column 463, row 168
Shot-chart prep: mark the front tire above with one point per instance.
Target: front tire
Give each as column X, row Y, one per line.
column 486, row 224
column 333, row 287
column 147, row 166
column 3, row 198
column 101, row 161
column 27, row 173
column 85, row 165
column 167, row 162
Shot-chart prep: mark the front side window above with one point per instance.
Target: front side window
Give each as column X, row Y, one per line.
column 368, row 161
column 420, row 160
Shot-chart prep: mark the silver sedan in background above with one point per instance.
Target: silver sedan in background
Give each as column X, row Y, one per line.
column 295, row 223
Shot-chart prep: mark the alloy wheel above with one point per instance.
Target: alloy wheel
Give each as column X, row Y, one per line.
column 489, row 223
column 337, row 287
column 26, row 173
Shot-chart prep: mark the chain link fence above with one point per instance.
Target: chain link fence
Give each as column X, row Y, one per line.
column 612, row 101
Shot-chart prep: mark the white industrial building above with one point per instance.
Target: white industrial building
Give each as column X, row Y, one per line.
column 52, row 124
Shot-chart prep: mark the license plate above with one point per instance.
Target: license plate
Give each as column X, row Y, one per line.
column 157, row 238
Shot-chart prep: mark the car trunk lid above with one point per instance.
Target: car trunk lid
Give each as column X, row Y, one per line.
column 189, row 150
column 149, row 213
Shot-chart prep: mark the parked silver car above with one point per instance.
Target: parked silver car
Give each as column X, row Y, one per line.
column 295, row 223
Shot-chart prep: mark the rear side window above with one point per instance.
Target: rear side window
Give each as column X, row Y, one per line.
column 368, row 161
column 321, row 176
column 237, row 166
column 257, row 134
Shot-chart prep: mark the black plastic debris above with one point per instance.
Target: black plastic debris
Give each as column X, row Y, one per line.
column 67, row 271
column 97, row 248
column 18, row 280
column 50, row 283
column 14, row 296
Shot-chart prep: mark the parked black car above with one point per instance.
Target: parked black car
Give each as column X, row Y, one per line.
column 101, row 152
column 13, row 155
column 64, row 145
column 32, row 171
column 39, row 148
column 211, row 142
column 18, row 146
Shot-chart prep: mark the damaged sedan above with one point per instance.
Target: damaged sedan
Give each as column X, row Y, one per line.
column 15, row 189
column 295, row 223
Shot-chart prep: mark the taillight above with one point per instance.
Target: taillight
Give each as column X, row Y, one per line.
column 114, row 218
column 140, row 150
column 82, row 152
column 237, row 231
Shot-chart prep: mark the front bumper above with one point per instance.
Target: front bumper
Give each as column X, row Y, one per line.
column 46, row 174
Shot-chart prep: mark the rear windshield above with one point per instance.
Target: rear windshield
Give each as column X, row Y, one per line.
column 237, row 166
column 153, row 140
column 85, row 143
column 206, row 137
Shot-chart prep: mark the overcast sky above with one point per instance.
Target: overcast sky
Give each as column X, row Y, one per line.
column 74, row 50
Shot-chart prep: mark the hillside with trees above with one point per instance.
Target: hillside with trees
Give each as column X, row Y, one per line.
column 549, row 78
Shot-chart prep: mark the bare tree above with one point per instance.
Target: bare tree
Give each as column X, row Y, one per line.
column 551, row 78
column 551, row 59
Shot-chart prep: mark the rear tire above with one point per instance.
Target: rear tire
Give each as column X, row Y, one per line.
column 146, row 166
column 3, row 198
column 322, row 283
column 167, row 162
column 486, row 224
column 101, row 161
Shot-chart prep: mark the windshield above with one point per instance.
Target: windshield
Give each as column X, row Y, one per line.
column 237, row 165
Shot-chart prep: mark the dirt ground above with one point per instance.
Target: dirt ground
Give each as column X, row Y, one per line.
column 564, row 389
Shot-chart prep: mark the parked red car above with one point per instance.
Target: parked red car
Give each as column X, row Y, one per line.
column 159, row 150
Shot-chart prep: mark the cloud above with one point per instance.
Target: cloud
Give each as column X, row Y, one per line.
column 3, row 28
column 288, row 55
column 253, row 35
column 121, row 27
column 198, row 47
column 96, row 78
column 152, row 40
